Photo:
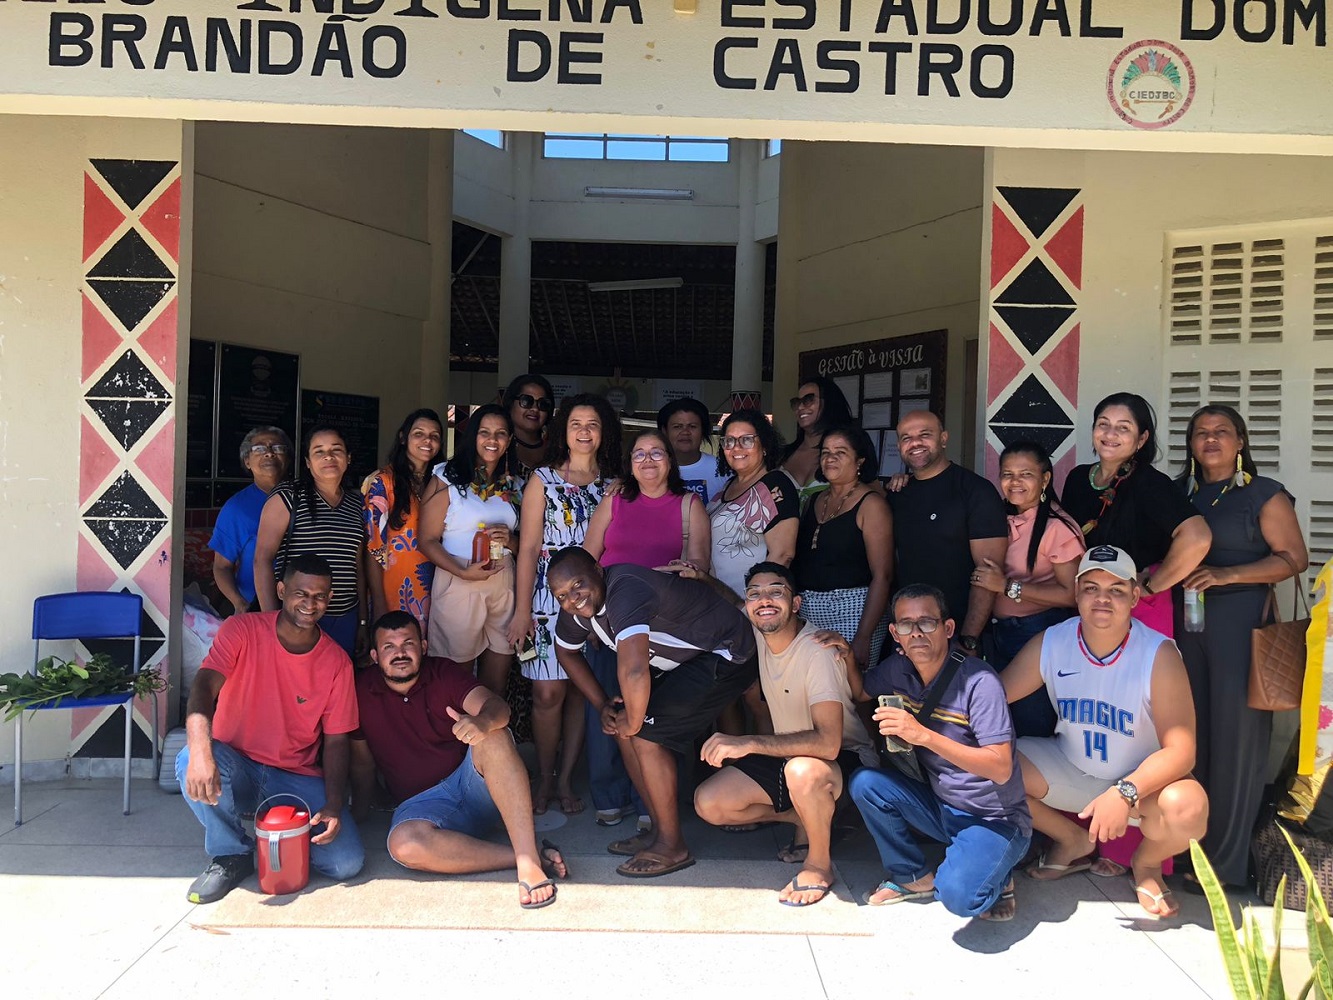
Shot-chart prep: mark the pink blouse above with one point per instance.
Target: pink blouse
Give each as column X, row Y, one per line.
column 1059, row 544
column 647, row 531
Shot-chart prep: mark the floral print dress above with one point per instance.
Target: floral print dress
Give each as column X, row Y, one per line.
column 407, row 572
column 568, row 510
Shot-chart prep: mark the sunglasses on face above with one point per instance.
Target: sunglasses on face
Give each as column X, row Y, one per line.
column 640, row 455
column 809, row 399
column 527, row 402
column 731, row 442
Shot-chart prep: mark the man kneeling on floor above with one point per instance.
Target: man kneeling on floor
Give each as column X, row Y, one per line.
column 1124, row 744
column 956, row 723
column 796, row 775
column 683, row 653
column 441, row 743
column 272, row 694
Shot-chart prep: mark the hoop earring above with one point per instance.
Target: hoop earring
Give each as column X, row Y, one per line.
column 1191, row 484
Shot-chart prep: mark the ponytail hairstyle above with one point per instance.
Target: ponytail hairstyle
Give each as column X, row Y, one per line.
column 1047, row 508
column 304, row 492
column 1246, row 470
column 1144, row 417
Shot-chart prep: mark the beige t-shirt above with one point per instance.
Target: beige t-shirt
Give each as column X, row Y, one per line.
column 806, row 674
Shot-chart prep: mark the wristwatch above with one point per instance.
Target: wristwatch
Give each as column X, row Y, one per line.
column 1013, row 590
column 969, row 642
column 1128, row 792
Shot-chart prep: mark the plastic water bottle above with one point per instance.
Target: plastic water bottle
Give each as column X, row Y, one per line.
column 1193, row 610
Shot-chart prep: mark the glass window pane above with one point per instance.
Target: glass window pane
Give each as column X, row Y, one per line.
column 699, row 152
column 490, row 136
column 623, row 149
column 774, row 147
column 574, row 149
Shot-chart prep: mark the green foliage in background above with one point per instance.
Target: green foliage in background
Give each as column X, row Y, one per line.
column 56, row 679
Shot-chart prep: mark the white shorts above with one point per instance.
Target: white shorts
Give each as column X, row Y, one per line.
column 1069, row 787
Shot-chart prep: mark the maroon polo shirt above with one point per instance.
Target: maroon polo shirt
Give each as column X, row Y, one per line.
column 411, row 735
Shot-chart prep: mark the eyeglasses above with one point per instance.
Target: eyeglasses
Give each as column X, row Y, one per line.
column 639, row 455
column 265, row 449
column 731, row 442
column 773, row 592
column 907, row 626
column 809, row 399
column 527, row 402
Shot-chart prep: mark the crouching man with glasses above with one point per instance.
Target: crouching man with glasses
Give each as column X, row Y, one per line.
column 952, row 773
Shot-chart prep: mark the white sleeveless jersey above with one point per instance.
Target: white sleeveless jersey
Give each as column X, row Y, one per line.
column 1105, row 724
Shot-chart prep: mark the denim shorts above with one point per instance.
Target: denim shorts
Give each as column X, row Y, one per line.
column 460, row 803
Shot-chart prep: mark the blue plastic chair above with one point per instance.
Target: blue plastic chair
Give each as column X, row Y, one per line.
column 85, row 616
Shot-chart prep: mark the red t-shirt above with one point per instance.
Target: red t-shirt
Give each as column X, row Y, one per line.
column 411, row 735
column 276, row 706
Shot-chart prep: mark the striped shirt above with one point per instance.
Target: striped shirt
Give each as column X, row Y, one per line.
column 336, row 533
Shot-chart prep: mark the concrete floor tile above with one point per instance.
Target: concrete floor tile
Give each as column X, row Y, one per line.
column 88, row 812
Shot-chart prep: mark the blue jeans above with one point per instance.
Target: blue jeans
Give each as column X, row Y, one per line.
column 979, row 854
column 245, row 784
column 460, row 803
column 607, row 779
column 1033, row 715
column 342, row 629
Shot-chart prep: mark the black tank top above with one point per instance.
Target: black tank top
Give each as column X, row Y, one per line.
column 840, row 559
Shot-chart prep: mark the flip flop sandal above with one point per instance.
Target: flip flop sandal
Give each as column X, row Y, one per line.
column 1157, row 899
column 663, row 867
column 823, row 891
column 630, row 846
column 1074, row 867
column 1106, row 868
column 530, row 905
column 791, row 847
column 1007, row 896
column 904, row 894
column 548, row 864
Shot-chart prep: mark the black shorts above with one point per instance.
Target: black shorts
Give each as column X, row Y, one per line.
column 685, row 701
column 770, row 774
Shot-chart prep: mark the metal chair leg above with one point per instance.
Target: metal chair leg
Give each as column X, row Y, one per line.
column 18, row 769
column 129, row 729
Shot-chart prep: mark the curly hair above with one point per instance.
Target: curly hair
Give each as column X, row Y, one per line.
column 769, row 439
column 608, row 452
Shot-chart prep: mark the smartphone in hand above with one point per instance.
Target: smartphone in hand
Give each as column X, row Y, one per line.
column 894, row 744
column 526, row 650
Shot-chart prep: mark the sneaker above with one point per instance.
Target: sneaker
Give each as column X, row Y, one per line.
column 223, row 875
column 612, row 817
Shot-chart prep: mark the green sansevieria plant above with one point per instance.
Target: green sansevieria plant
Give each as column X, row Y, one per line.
column 1255, row 971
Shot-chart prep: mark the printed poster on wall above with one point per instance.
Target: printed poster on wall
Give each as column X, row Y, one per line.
column 358, row 417
column 882, row 380
column 256, row 388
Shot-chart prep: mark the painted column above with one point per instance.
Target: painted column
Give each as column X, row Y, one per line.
column 440, row 232
column 516, row 265
column 1036, row 285
column 747, row 338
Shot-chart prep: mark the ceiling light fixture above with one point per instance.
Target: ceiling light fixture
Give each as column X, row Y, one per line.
column 634, row 285
column 649, row 194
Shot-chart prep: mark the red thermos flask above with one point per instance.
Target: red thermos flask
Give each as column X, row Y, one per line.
column 282, row 842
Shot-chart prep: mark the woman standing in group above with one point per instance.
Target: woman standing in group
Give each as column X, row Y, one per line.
column 1256, row 541
column 818, row 404
column 844, row 546
column 558, row 504
column 472, row 603
column 529, row 400
column 1035, row 587
column 398, row 572
column 1122, row 500
column 755, row 517
column 652, row 520
column 317, row 515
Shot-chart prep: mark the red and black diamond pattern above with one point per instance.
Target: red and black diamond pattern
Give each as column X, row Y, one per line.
column 130, row 261
column 1035, row 284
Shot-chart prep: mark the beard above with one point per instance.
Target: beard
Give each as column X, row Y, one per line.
column 768, row 626
column 401, row 678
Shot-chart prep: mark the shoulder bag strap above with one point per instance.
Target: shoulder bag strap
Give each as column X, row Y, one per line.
column 1298, row 595
column 685, row 524
column 940, row 686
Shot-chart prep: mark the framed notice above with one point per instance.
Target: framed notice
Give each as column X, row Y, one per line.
column 256, row 388
column 358, row 417
column 882, row 380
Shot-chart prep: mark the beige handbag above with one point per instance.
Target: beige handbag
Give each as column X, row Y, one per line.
column 1277, row 655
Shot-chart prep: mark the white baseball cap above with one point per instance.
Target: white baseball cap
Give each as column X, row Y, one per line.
column 1115, row 561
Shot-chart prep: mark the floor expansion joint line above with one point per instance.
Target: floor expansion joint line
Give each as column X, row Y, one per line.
column 145, row 953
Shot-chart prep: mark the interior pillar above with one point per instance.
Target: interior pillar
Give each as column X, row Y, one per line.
column 747, row 339
column 440, row 232
column 516, row 265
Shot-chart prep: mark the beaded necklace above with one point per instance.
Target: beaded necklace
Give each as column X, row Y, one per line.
column 1111, row 657
column 1108, row 491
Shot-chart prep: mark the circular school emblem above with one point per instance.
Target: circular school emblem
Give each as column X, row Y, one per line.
column 1150, row 84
